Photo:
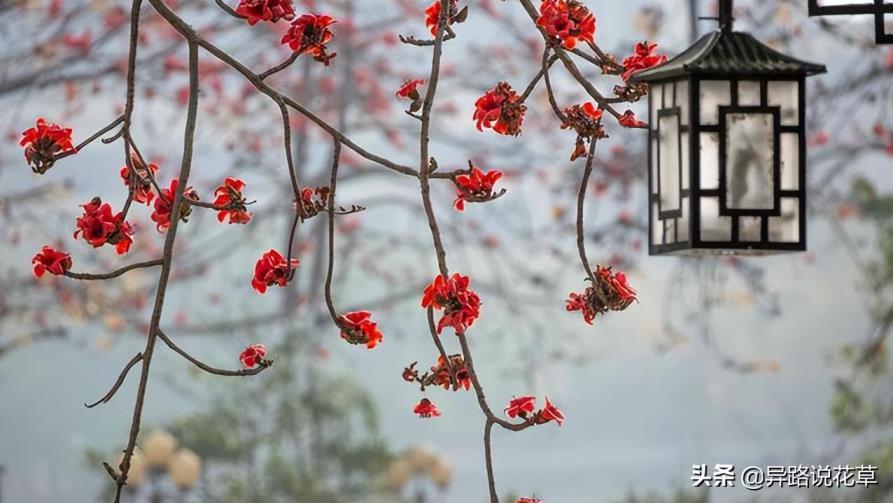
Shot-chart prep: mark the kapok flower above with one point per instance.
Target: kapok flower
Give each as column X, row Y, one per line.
column 528, row 500
column 99, row 226
column 500, row 109
column 426, row 408
column 309, row 34
column 229, row 196
column 44, row 142
column 271, row 269
column 164, row 205
column 460, row 304
column 521, row 407
column 253, row 356
column 357, row 327
column 476, row 187
column 567, row 21
column 142, row 188
column 409, row 90
column 549, row 413
column 629, row 119
column 586, row 120
column 441, row 372
column 51, row 260
column 315, row 200
column 265, row 10
column 645, row 56
column 611, row 292
column 432, row 13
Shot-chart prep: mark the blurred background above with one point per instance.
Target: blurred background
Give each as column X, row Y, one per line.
column 764, row 361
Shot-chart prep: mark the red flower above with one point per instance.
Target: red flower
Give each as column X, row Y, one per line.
column 550, row 413
column 442, row 373
column 432, row 13
column 265, row 10
column 44, row 142
column 461, row 305
column 586, row 120
column 566, row 21
column 164, row 205
column 610, row 293
column 629, row 119
column 310, row 33
column 357, row 327
column 51, row 260
column 253, row 355
column 315, row 200
column 499, row 109
column 99, row 226
column 645, row 56
column 271, row 270
column 426, row 408
column 521, row 407
column 528, row 500
column 409, row 89
column 475, row 187
column 142, row 190
column 229, row 196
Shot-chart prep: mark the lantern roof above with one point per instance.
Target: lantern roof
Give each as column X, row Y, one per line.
column 726, row 52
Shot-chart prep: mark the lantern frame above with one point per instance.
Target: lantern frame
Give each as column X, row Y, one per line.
column 879, row 9
column 731, row 58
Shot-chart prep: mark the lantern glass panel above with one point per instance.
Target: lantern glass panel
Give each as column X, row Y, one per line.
column 656, row 95
column 682, row 224
column 657, row 226
column 785, row 94
column 682, row 101
column 827, row 3
column 669, row 162
column 790, row 161
column 786, row 228
column 713, row 226
column 713, row 94
column 749, row 94
column 686, row 159
column 654, row 161
column 750, row 146
column 709, row 161
column 750, row 228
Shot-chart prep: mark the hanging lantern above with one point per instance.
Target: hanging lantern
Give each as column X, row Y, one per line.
column 727, row 147
column 882, row 10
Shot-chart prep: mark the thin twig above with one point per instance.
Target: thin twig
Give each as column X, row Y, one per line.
column 204, row 366
column 123, row 375
column 113, row 274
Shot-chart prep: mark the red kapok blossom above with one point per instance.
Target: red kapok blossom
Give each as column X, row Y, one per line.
column 409, row 89
column 567, row 21
column 549, row 413
column 432, row 13
column 520, row 407
column 271, row 270
column 629, row 119
column 253, row 355
column 357, row 327
column 475, row 187
column 528, row 500
column 426, row 408
column 51, row 260
column 164, row 205
column 645, row 56
column 310, row 33
column 499, row 109
column 99, row 226
column 314, row 200
column 265, row 10
column 229, row 196
column 441, row 372
column 585, row 119
column 44, row 142
column 460, row 304
column 610, row 293
column 142, row 189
